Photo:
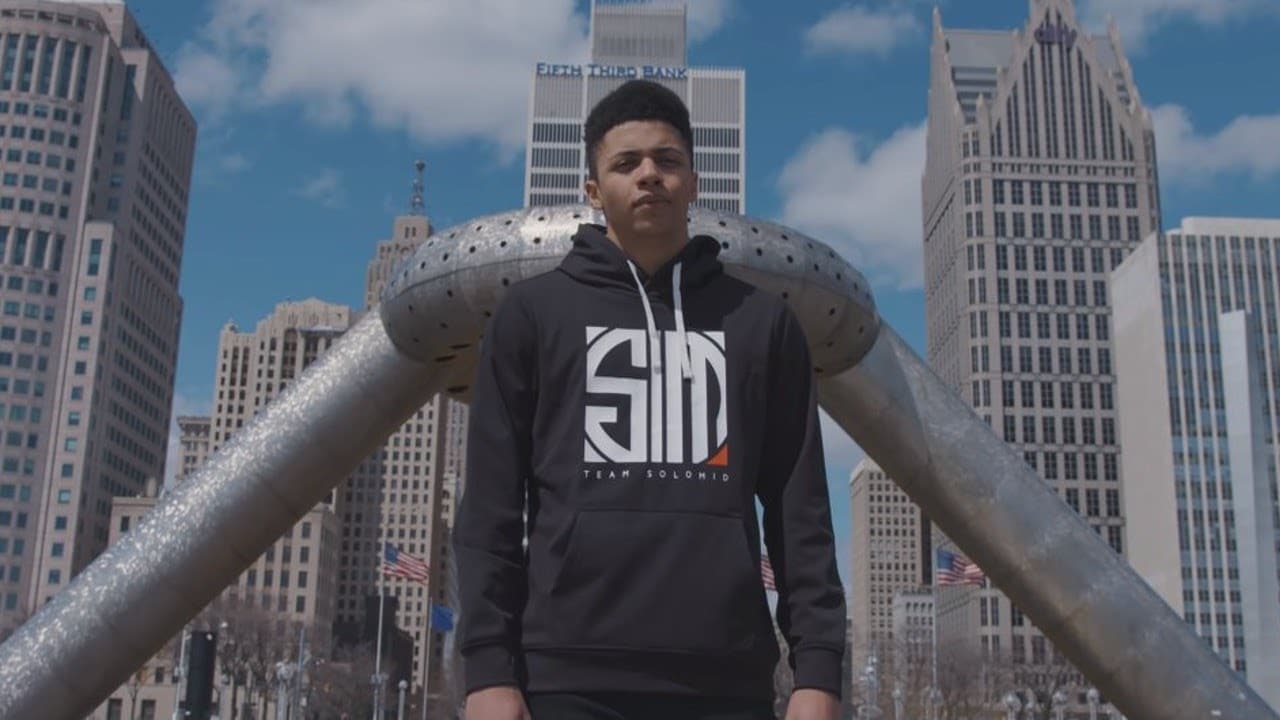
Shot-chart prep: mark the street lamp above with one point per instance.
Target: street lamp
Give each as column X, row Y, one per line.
column 1059, row 704
column 1032, row 707
column 872, row 683
column 932, row 699
column 1012, row 706
column 898, row 697
column 284, row 673
column 1092, row 698
column 404, row 685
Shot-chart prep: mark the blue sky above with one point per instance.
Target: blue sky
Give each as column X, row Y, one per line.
column 312, row 112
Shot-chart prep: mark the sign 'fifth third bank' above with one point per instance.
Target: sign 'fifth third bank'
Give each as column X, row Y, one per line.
column 648, row 72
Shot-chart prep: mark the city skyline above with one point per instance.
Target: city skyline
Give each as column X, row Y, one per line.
column 310, row 193
column 257, row 160
column 350, row 151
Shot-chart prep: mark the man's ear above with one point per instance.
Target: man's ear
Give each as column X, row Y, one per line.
column 695, row 187
column 592, row 188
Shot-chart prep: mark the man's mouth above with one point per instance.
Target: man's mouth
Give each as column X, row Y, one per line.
column 650, row 200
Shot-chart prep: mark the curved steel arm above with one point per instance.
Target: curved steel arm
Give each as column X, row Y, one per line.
column 1094, row 607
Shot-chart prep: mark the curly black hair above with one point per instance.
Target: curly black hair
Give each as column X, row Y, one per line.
column 635, row 100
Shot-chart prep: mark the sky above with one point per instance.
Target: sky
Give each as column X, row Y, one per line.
column 312, row 112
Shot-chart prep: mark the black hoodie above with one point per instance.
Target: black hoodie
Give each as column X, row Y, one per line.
column 640, row 427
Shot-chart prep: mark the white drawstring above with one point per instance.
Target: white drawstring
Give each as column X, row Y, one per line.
column 686, row 366
column 655, row 354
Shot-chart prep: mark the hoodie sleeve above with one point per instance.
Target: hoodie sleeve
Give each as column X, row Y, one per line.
column 489, row 534
column 797, row 515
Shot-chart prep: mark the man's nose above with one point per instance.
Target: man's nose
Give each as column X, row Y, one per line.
column 648, row 170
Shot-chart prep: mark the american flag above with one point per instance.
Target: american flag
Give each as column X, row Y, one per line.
column 956, row 569
column 766, row 573
column 396, row 563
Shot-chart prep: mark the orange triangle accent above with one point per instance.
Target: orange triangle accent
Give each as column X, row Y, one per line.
column 721, row 458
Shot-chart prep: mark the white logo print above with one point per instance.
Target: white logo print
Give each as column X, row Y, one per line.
column 660, row 402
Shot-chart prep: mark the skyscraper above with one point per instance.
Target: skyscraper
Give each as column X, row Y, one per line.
column 636, row 39
column 888, row 548
column 1198, row 366
column 296, row 578
column 403, row 494
column 1040, row 178
column 96, row 165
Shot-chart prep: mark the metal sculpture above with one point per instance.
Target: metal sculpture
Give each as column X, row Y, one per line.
column 80, row 646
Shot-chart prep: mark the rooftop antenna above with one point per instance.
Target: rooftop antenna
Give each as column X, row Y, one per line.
column 416, row 205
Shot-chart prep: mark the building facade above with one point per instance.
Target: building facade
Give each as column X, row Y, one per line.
column 912, row 623
column 1040, row 178
column 888, row 548
column 1198, row 365
column 629, row 40
column 95, row 159
column 194, row 436
column 404, row 495
column 296, row 578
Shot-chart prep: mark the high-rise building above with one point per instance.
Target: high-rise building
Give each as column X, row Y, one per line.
column 96, row 163
column 404, row 493
column 630, row 39
column 297, row 577
column 888, row 548
column 1198, row 366
column 1040, row 178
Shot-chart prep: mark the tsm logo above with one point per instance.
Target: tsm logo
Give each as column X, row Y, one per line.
column 671, row 420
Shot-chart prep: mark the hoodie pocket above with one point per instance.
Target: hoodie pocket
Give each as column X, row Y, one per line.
column 674, row 581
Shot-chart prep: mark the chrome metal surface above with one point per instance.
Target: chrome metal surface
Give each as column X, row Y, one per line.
column 1037, row 550
column 139, row 593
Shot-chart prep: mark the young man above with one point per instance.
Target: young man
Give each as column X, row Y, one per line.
column 628, row 409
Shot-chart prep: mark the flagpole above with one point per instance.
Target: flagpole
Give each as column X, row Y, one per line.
column 377, row 659
column 934, row 690
column 426, row 682
column 936, row 601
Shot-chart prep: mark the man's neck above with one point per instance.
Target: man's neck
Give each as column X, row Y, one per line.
column 650, row 253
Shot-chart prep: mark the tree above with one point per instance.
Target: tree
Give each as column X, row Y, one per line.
column 340, row 687
column 251, row 640
column 134, row 684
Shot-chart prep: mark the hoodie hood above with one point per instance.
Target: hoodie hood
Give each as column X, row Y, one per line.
column 596, row 260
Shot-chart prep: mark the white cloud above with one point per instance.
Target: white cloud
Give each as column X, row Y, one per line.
column 1249, row 144
column 325, row 187
column 864, row 204
column 234, row 163
column 183, row 405
column 442, row 70
column 858, row 30
column 1137, row 20
column 705, row 17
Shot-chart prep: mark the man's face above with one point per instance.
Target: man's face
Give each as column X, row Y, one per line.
column 644, row 180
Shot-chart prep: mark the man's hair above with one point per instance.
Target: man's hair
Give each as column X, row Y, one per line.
column 635, row 100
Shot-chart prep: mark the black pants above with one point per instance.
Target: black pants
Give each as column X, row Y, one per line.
column 643, row 706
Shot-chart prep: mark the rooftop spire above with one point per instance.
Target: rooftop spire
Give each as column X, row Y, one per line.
column 416, row 204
